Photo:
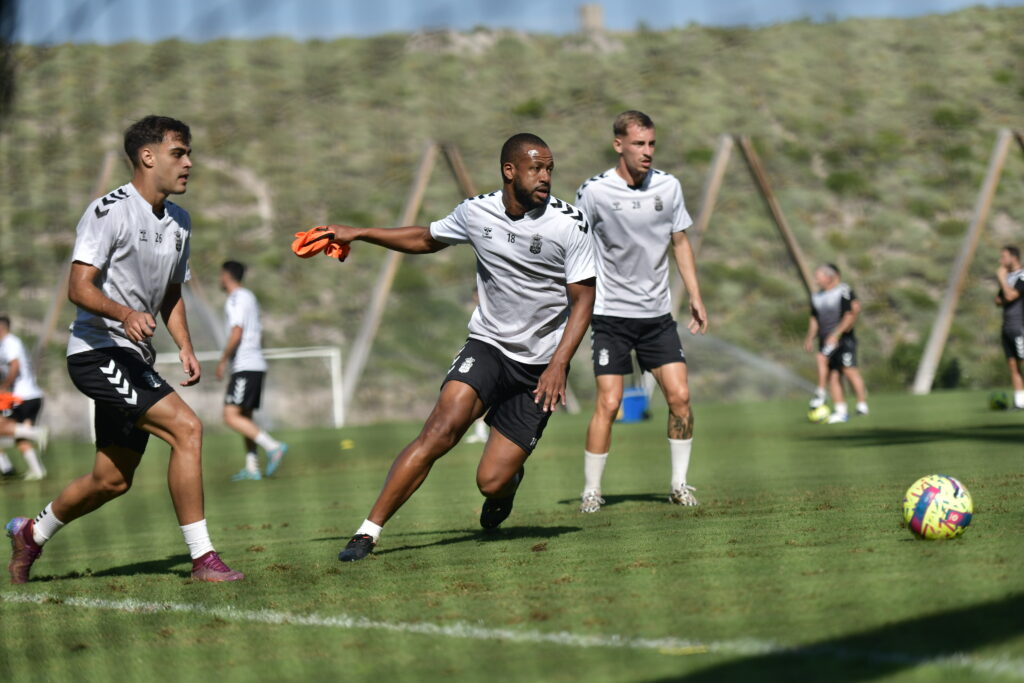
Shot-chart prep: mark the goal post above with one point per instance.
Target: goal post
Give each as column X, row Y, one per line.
column 330, row 354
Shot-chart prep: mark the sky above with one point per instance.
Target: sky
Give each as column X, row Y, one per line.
column 113, row 21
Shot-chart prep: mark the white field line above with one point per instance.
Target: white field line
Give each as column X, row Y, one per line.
column 670, row 645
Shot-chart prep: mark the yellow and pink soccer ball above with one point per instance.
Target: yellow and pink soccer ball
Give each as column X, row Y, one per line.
column 937, row 507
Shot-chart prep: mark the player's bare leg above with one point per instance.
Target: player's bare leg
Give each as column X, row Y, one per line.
column 856, row 381
column 599, row 439
column 839, row 411
column 674, row 383
column 25, row 430
column 240, row 420
column 1017, row 381
column 498, row 477
column 821, row 363
column 456, row 409
column 36, row 470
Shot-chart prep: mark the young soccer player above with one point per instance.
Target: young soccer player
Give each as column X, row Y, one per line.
column 244, row 351
column 535, row 278
column 1010, row 277
column 128, row 264
column 637, row 213
column 19, row 380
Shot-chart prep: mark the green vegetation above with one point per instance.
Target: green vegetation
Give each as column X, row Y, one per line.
column 798, row 543
column 875, row 134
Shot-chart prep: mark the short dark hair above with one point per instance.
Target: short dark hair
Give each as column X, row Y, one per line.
column 632, row 117
column 1013, row 250
column 515, row 143
column 235, row 269
column 835, row 268
column 5, row 321
column 150, row 130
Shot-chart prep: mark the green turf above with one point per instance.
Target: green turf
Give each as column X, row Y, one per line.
column 798, row 543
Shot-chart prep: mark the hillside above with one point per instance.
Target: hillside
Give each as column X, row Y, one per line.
column 876, row 134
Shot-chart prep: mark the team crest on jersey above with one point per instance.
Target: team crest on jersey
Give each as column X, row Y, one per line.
column 535, row 245
column 603, row 357
column 658, row 206
column 467, row 365
column 616, row 206
column 142, row 236
column 487, row 233
column 177, row 240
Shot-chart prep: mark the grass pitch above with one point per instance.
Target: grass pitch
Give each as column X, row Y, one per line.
column 796, row 564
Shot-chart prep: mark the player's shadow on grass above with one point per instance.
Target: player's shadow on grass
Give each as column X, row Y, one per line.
column 479, row 535
column 162, row 567
column 885, row 436
column 615, row 499
column 885, row 651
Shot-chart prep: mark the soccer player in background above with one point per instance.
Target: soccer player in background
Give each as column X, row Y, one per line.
column 1011, row 286
column 535, row 278
column 834, row 312
column 18, row 379
column 128, row 264
column 244, row 351
column 637, row 214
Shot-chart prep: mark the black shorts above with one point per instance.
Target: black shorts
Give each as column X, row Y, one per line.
column 655, row 340
column 506, row 388
column 844, row 355
column 124, row 387
column 245, row 389
column 1013, row 344
column 26, row 411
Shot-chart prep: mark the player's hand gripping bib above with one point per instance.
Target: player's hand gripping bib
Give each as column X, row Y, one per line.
column 316, row 240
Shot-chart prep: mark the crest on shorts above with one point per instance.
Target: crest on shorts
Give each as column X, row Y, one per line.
column 602, row 357
column 658, row 206
column 177, row 240
column 848, row 359
column 152, row 379
column 535, row 244
column 467, row 365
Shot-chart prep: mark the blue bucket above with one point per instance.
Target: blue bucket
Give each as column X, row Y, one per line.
column 634, row 405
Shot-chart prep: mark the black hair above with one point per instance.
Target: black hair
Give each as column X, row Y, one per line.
column 151, row 130
column 1013, row 250
column 515, row 143
column 235, row 269
column 5, row 321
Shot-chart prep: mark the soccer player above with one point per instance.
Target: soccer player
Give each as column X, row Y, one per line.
column 834, row 312
column 248, row 368
column 1011, row 286
column 20, row 381
column 637, row 212
column 129, row 261
column 535, row 277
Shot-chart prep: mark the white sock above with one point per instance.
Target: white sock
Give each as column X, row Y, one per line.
column 252, row 463
column 266, row 442
column 5, row 464
column 32, row 460
column 46, row 525
column 371, row 529
column 197, row 538
column 593, row 469
column 862, row 406
column 840, row 408
column 819, row 393
column 679, row 450
column 1018, row 399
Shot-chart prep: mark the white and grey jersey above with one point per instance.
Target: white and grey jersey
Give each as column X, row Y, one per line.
column 138, row 256
column 24, row 387
column 829, row 305
column 633, row 229
column 1013, row 312
column 522, row 268
column 242, row 310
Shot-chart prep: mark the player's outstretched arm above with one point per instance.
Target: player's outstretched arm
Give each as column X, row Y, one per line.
column 550, row 389
column 687, row 265
column 172, row 310
column 413, row 239
column 83, row 292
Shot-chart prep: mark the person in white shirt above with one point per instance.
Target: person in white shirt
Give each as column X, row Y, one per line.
column 17, row 378
column 1010, row 277
column 244, row 352
column 535, row 279
column 128, row 264
column 637, row 214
